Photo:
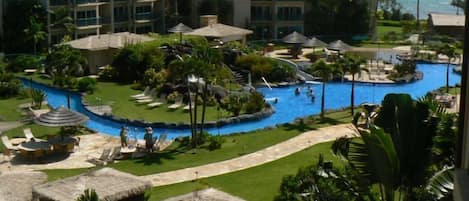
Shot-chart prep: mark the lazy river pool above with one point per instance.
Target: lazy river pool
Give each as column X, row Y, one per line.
column 289, row 106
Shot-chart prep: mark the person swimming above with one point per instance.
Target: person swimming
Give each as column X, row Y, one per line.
column 297, row 91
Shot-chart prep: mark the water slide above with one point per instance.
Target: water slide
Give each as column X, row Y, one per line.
column 299, row 73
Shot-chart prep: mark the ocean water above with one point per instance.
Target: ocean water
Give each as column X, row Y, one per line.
column 429, row 6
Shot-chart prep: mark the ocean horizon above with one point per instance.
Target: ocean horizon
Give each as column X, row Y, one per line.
column 429, row 6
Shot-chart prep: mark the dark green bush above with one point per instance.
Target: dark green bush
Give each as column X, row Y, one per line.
column 86, row 84
column 215, row 142
column 9, row 85
column 108, row 73
column 255, row 103
column 23, row 62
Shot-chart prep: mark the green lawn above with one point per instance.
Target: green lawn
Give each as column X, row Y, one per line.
column 118, row 96
column 381, row 31
column 259, row 183
column 9, row 110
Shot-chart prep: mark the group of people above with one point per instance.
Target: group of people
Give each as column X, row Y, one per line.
column 309, row 92
column 149, row 139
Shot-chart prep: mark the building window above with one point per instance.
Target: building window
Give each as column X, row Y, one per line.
column 261, row 13
column 262, row 32
column 86, row 18
column 121, row 14
column 289, row 13
column 85, row 35
column 143, row 29
column 143, row 13
column 283, row 31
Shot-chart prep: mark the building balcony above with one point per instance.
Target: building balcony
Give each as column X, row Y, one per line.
column 78, row 2
column 290, row 18
column 121, row 18
column 87, row 22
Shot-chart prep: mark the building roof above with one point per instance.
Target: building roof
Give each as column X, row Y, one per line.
column 218, row 30
column 438, row 19
column 108, row 183
column 108, row 41
column 210, row 194
column 19, row 185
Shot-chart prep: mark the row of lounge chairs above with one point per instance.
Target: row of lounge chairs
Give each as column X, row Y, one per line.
column 148, row 97
column 107, row 156
column 29, row 136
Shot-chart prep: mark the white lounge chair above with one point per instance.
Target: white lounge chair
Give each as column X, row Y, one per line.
column 154, row 104
column 150, row 95
column 102, row 160
column 8, row 144
column 188, row 107
column 30, row 137
column 175, row 105
column 145, row 93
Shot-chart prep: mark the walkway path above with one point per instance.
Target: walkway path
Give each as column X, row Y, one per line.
column 266, row 155
column 7, row 125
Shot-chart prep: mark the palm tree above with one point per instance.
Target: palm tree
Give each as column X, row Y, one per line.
column 353, row 65
column 450, row 52
column 88, row 195
column 326, row 73
column 63, row 20
column 35, row 32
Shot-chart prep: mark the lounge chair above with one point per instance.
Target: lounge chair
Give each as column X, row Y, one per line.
column 115, row 155
column 30, row 137
column 154, row 104
column 102, row 160
column 175, row 105
column 8, row 145
column 150, row 95
column 145, row 93
column 188, row 107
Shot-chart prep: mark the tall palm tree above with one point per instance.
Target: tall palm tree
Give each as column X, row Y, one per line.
column 450, row 52
column 63, row 20
column 353, row 65
column 326, row 73
column 35, row 32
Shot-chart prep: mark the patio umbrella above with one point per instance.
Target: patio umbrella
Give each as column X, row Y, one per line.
column 295, row 38
column 61, row 117
column 180, row 28
column 339, row 46
column 314, row 42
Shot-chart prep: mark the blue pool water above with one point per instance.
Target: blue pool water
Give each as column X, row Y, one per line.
column 289, row 106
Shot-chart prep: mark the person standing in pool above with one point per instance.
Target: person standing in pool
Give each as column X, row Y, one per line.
column 123, row 135
column 297, row 91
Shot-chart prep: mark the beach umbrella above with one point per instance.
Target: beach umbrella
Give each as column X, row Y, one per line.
column 180, row 28
column 59, row 117
column 314, row 42
column 295, row 38
column 339, row 45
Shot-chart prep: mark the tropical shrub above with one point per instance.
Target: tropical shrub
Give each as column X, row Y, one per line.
column 404, row 68
column 233, row 103
column 65, row 60
column 173, row 97
column 270, row 69
column 215, row 142
column 89, row 195
column 86, row 84
column 281, row 72
column 153, row 78
column 255, row 103
column 9, row 85
column 23, row 62
column 108, row 73
column 38, row 96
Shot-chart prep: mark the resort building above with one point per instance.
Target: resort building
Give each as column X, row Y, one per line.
column 99, row 50
column 446, row 24
column 95, row 17
column 276, row 18
column 267, row 18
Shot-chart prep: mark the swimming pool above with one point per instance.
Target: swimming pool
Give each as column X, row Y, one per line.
column 287, row 109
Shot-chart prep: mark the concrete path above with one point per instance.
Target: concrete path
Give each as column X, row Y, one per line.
column 7, row 125
column 266, row 155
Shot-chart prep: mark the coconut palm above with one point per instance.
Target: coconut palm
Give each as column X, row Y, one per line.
column 450, row 52
column 63, row 20
column 35, row 32
column 353, row 65
column 326, row 73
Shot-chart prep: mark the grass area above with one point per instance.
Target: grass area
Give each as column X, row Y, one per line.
column 124, row 106
column 254, row 184
column 41, row 78
column 381, row 31
column 55, row 174
column 9, row 110
column 176, row 157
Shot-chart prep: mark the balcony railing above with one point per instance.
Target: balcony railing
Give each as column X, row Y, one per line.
column 89, row 1
column 143, row 16
column 87, row 22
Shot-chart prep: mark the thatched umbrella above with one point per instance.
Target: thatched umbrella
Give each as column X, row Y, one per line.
column 296, row 39
column 61, row 116
column 339, row 45
column 109, row 184
column 180, row 28
column 19, row 185
column 221, row 31
column 314, row 42
column 207, row 194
